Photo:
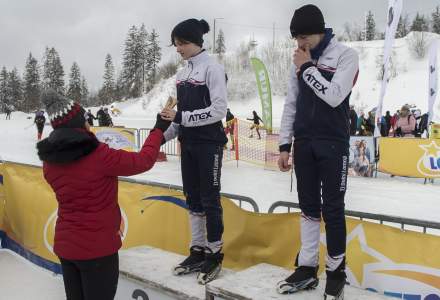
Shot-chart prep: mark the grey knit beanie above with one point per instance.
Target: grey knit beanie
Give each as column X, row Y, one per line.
column 63, row 112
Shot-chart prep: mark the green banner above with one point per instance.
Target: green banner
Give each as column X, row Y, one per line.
column 264, row 91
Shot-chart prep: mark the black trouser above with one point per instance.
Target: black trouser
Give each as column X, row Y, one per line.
column 93, row 279
column 321, row 169
column 201, row 172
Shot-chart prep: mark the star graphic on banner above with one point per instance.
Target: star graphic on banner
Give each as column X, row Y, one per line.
column 362, row 258
column 358, row 254
column 431, row 149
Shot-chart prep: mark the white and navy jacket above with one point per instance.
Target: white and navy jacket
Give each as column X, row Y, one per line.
column 201, row 102
column 317, row 103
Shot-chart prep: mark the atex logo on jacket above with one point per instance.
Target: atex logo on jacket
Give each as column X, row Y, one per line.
column 202, row 102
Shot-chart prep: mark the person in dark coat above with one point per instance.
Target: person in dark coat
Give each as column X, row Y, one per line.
column 387, row 122
column 353, row 121
column 230, row 119
column 90, row 117
column 108, row 122
column 101, row 117
column 83, row 174
column 39, row 121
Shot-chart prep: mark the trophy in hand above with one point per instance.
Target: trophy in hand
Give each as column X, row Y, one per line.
column 171, row 102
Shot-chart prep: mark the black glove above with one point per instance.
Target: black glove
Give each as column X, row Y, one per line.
column 398, row 132
column 161, row 123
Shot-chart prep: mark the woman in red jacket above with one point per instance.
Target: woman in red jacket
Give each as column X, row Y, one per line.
column 83, row 174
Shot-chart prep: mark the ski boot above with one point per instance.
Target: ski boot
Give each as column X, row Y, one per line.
column 193, row 263
column 334, row 287
column 211, row 267
column 304, row 278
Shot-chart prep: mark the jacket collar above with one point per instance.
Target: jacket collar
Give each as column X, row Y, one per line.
column 323, row 45
column 197, row 59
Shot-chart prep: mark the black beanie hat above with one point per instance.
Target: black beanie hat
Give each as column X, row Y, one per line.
column 306, row 20
column 191, row 30
column 63, row 113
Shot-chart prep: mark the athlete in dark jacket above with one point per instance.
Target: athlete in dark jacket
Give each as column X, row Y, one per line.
column 316, row 115
column 83, row 173
column 201, row 95
column 39, row 121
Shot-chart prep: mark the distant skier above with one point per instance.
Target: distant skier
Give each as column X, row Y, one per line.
column 39, row 121
column 115, row 111
column 90, row 117
column 202, row 103
column 230, row 124
column 8, row 111
column 256, row 125
column 316, row 114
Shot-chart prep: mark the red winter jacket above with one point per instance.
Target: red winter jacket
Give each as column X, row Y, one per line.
column 86, row 189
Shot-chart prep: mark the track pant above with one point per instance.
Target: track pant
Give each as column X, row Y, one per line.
column 321, row 172
column 94, row 279
column 201, row 173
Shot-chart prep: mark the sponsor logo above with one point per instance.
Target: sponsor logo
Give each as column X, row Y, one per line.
column 199, row 117
column 429, row 164
column 315, row 83
column 114, row 139
column 265, row 95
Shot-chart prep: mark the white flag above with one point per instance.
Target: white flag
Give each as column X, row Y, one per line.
column 433, row 79
column 394, row 10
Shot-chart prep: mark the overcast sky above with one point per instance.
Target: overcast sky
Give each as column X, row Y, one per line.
column 86, row 30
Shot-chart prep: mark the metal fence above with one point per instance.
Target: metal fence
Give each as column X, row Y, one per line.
column 368, row 216
column 169, row 148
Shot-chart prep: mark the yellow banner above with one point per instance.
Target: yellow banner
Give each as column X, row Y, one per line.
column 2, row 197
column 116, row 138
column 410, row 157
column 379, row 257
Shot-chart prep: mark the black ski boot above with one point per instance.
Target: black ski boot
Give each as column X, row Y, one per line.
column 304, row 278
column 334, row 287
column 211, row 267
column 193, row 263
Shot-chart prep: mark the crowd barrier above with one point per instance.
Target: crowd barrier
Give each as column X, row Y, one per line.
column 379, row 257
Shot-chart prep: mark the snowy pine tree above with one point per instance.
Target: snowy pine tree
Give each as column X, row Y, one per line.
column 53, row 73
column 74, row 88
column 4, row 90
column 403, row 27
column 15, row 89
column 153, row 58
column 84, row 91
column 220, row 46
column 436, row 20
column 134, row 61
column 370, row 27
column 420, row 23
column 31, row 85
column 108, row 88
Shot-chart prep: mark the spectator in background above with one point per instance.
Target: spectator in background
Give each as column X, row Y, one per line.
column 353, row 121
column 101, row 117
column 387, row 122
column 406, row 124
column 108, row 122
column 370, row 123
column 90, row 117
column 361, row 124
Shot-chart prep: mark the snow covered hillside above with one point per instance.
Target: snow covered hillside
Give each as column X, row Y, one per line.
column 409, row 83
